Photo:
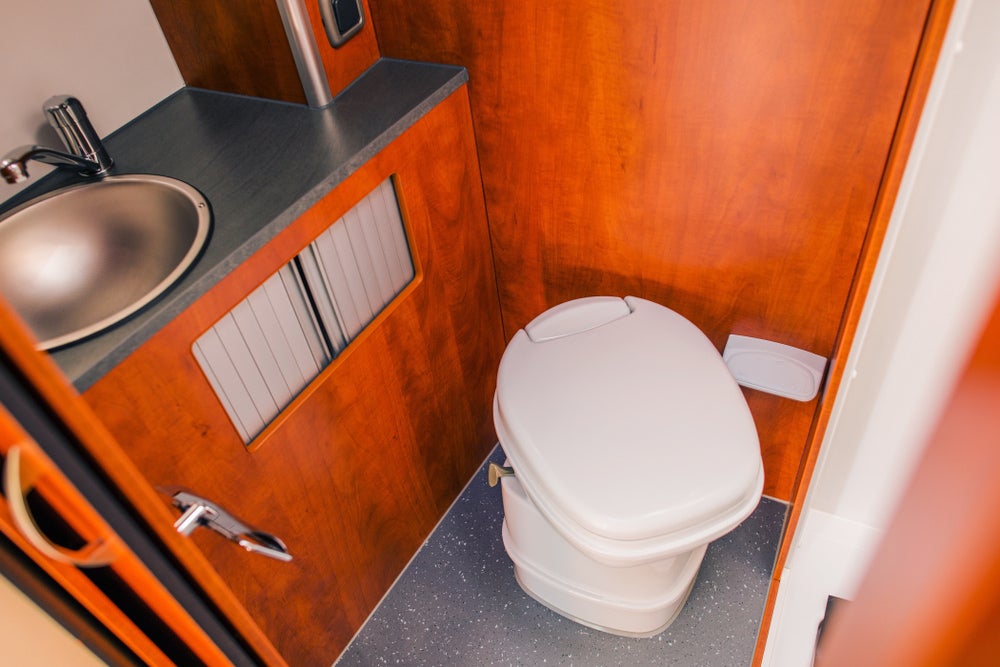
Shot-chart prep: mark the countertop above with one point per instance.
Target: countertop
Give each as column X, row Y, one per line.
column 260, row 164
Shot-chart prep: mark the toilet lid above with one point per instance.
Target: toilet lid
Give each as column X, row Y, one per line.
column 627, row 424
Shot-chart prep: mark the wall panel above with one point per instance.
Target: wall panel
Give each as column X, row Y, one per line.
column 721, row 158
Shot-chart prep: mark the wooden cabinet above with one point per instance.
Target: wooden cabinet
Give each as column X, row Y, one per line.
column 242, row 47
column 355, row 473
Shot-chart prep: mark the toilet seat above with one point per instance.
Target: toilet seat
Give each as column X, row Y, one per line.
column 626, row 429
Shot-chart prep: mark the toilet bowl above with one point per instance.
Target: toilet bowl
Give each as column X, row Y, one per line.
column 632, row 448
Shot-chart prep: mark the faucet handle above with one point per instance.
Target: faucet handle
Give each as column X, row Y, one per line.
column 13, row 166
column 69, row 119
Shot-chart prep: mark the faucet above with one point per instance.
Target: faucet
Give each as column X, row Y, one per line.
column 84, row 149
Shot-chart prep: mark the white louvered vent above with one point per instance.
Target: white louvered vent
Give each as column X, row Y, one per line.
column 358, row 265
column 267, row 349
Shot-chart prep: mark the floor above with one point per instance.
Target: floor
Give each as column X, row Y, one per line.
column 457, row 602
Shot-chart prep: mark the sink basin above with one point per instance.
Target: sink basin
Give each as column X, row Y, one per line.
column 80, row 259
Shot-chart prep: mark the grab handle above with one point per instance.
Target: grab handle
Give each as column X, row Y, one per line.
column 19, row 477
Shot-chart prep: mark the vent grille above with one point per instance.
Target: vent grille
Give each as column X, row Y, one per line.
column 265, row 351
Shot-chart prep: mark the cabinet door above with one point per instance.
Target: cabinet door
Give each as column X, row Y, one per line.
column 357, row 470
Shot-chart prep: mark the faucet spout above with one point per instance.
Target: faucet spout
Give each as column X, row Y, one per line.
column 14, row 165
column 84, row 149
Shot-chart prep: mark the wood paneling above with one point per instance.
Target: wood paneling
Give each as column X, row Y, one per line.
column 241, row 47
column 721, row 158
column 232, row 47
column 365, row 462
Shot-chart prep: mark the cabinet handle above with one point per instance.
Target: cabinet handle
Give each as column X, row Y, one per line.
column 197, row 511
column 19, row 477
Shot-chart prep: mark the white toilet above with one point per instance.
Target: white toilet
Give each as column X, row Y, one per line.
column 632, row 448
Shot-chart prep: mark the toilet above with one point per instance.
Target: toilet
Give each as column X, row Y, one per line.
column 632, row 448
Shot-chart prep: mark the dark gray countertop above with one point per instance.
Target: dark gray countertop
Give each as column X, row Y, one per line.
column 260, row 164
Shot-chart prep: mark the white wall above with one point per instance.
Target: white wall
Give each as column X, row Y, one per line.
column 935, row 276
column 933, row 283
column 110, row 54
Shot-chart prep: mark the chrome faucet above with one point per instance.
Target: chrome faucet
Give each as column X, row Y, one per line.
column 84, row 149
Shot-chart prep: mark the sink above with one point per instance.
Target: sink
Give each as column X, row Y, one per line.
column 78, row 260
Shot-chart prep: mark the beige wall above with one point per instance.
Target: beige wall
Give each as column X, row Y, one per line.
column 109, row 53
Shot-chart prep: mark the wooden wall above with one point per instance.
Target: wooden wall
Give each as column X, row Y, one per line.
column 722, row 158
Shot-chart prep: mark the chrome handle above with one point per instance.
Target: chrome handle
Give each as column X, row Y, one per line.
column 195, row 515
column 197, row 511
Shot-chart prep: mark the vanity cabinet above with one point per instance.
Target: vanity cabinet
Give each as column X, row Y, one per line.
column 358, row 469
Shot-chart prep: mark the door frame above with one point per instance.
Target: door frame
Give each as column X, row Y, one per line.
column 48, row 409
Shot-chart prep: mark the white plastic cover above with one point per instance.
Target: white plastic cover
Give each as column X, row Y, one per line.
column 774, row 367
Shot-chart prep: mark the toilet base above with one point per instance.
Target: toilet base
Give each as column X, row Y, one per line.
column 632, row 601
column 613, row 617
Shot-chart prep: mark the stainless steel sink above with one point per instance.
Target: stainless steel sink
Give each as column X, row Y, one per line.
column 78, row 260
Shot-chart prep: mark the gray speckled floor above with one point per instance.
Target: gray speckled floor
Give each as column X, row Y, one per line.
column 457, row 602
